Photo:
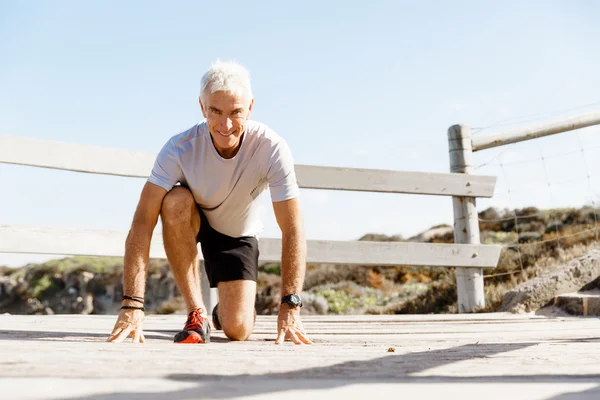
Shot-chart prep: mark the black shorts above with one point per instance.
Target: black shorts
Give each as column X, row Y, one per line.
column 227, row 258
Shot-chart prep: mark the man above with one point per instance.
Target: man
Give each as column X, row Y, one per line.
column 204, row 186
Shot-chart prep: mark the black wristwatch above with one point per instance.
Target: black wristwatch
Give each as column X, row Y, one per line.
column 292, row 299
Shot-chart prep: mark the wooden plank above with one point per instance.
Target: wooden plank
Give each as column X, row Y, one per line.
column 520, row 134
column 392, row 253
column 387, row 181
column 19, row 239
column 66, row 354
column 76, row 242
column 75, row 157
column 138, row 164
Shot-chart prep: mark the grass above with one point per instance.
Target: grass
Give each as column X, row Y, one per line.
column 95, row 265
column 92, row 264
column 271, row 268
column 70, row 264
column 41, row 285
column 343, row 299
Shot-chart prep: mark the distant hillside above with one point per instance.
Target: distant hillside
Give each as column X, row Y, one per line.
column 94, row 284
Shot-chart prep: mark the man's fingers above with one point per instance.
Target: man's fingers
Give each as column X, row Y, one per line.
column 292, row 335
column 302, row 336
column 123, row 334
column 114, row 334
column 280, row 336
column 137, row 335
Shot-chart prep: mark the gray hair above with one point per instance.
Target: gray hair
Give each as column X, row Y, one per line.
column 228, row 76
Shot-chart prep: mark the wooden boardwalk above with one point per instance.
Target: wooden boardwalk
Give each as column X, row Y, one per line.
column 484, row 356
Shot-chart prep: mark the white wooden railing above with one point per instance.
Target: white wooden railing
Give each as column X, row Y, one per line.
column 467, row 254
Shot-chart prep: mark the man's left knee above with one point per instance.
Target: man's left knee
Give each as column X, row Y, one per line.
column 237, row 327
column 236, row 308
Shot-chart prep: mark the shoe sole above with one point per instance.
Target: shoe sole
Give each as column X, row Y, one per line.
column 215, row 318
column 192, row 338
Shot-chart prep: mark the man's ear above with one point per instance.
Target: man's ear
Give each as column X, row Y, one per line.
column 250, row 108
column 202, row 107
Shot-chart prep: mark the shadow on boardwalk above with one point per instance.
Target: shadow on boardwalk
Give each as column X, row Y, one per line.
column 400, row 368
column 84, row 336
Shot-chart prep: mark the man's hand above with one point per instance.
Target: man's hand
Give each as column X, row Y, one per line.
column 129, row 323
column 289, row 326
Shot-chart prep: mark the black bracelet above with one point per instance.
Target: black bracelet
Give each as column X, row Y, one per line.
column 134, row 298
column 132, row 308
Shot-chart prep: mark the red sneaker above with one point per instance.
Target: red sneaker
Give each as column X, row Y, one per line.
column 196, row 330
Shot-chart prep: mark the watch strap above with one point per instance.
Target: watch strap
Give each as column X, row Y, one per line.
column 289, row 300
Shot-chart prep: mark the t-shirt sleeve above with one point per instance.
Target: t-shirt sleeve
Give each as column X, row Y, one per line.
column 167, row 170
column 281, row 175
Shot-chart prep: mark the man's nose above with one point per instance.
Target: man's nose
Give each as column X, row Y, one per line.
column 227, row 123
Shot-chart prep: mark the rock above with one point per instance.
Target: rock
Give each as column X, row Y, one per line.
column 8, row 293
column 313, row 304
column 79, row 291
column 540, row 291
column 22, row 287
column 586, row 303
column 87, row 304
column 268, row 294
column 590, row 215
column 34, row 306
column 176, row 305
column 377, row 237
column 439, row 231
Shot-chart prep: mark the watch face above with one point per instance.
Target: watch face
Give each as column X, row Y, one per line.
column 295, row 299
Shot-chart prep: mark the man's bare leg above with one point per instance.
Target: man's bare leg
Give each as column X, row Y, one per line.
column 181, row 223
column 236, row 308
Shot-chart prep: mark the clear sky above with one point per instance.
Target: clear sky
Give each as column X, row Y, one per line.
column 359, row 84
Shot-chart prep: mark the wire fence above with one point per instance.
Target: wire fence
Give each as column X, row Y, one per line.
column 532, row 118
column 574, row 186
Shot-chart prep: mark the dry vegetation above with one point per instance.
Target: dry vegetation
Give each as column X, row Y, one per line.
column 545, row 239
column 535, row 241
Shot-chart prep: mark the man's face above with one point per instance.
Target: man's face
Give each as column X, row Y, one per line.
column 226, row 114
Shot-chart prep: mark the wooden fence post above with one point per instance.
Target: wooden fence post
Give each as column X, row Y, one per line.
column 469, row 281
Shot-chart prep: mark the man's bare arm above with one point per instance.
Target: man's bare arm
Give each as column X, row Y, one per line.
column 293, row 266
column 137, row 246
column 137, row 252
column 293, row 257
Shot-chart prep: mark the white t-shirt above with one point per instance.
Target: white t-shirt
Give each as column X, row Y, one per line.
column 226, row 189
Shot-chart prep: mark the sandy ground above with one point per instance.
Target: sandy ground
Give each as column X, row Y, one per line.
column 485, row 356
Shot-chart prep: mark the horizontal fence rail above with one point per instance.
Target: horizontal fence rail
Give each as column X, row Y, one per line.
column 138, row 164
column 521, row 134
column 35, row 240
column 374, row 180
